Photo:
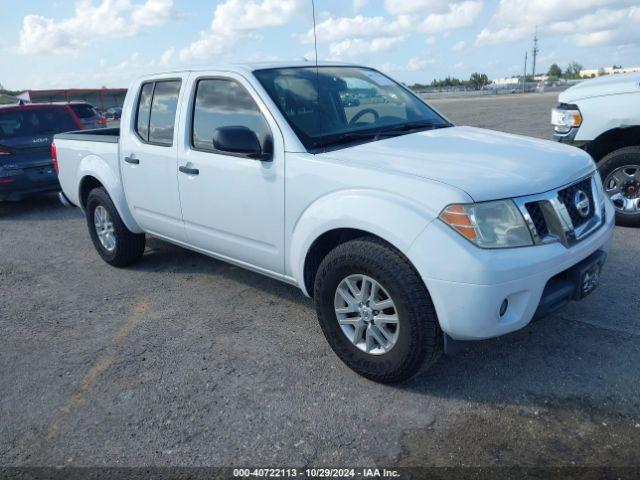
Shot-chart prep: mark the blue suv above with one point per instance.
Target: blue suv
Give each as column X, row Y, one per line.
column 26, row 134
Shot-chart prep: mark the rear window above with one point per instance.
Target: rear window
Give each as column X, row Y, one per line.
column 35, row 121
column 84, row 111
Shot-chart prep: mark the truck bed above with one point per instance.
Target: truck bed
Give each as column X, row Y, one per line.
column 87, row 150
column 107, row 135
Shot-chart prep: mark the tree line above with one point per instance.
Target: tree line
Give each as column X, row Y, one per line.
column 477, row 81
column 572, row 71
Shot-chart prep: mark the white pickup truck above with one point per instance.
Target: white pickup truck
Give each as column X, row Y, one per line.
column 410, row 234
column 602, row 116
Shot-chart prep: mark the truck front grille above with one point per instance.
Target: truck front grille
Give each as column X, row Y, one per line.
column 537, row 217
column 567, row 197
column 553, row 216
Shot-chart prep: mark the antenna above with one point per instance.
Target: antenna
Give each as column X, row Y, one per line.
column 315, row 47
column 315, row 36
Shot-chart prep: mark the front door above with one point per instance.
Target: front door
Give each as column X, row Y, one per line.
column 149, row 158
column 232, row 204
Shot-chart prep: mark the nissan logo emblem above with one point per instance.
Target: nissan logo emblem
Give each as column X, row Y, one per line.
column 581, row 202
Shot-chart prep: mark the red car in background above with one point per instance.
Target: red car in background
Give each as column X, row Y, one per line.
column 26, row 160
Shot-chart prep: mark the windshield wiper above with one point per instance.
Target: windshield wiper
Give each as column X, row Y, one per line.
column 348, row 137
column 408, row 127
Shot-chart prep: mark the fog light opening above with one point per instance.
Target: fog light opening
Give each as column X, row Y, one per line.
column 503, row 307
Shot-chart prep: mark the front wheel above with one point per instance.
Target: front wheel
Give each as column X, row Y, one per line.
column 620, row 172
column 375, row 311
column 115, row 243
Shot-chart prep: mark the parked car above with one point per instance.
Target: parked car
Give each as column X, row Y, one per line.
column 602, row 116
column 409, row 233
column 88, row 115
column 26, row 133
column 113, row 113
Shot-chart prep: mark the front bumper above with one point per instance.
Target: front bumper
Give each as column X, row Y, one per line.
column 569, row 138
column 468, row 285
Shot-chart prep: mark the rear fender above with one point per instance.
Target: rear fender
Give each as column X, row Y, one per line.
column 96, row 167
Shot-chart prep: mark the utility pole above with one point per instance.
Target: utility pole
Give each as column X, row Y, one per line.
column 524, row 76
column 535, row 52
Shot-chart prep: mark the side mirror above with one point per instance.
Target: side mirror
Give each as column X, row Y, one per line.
column 239, row 140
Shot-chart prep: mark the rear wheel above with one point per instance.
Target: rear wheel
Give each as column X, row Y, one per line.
column 620, row 171
column 115, row 243
column 375, row 311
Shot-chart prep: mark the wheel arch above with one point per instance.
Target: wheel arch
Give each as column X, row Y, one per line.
column 344, row 216
column 613, row 140
column 95, row 172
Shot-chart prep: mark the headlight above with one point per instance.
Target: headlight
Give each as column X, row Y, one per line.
column 564, row 120
column 489, row 224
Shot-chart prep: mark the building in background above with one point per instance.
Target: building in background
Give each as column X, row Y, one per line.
column 101, row 98
column 598, row 72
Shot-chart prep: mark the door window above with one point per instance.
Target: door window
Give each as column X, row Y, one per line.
column 224, row 103
column 156, row 114
column 144, row 109
column 163, row 112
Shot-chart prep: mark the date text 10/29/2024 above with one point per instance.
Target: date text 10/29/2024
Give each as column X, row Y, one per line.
column 315, row 473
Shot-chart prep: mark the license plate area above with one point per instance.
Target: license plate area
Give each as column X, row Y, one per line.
column 586, row 275
column 590, row 281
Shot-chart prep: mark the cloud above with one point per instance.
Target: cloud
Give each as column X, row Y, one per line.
column 459, row 46
column 405, row 7
column 359, row 5
column 153, row 12
column 596, row 21
column 416, row 64
column 458, row 16
column 107, row 19
column 358, row 47
column 235, row 20
column 336, row 29
column 358, row 36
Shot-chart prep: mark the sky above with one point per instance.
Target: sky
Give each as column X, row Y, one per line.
column 94, row 43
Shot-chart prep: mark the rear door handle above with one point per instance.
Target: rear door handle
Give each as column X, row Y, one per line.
column 132, row 160
column 189, row 171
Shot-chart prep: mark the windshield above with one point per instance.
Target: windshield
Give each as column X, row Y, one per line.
column 352, row 104
column 84, row 111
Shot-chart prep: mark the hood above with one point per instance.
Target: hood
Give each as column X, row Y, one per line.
column 605, row 85
column 485, row 164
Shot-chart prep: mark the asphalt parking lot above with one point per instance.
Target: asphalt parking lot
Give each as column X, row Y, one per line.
column 184, row 360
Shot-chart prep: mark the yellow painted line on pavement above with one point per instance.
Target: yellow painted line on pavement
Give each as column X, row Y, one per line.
column 98, row 368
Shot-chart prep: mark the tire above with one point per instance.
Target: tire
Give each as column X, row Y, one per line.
column 629, row 156
column 419, row 338
column 128, row 246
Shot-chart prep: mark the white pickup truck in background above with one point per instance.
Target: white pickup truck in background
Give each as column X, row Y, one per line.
column 410, row 233
column 602, row 116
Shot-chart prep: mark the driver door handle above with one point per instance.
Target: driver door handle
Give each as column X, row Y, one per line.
column 132, row 160
column 189, row 171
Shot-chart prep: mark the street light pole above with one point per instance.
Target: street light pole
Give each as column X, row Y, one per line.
column 524, row 76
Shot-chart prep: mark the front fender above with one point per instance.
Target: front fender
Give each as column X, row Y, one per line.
column 96, row 167
column 391, row 217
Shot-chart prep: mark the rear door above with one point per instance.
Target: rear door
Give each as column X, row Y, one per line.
column 148, row 156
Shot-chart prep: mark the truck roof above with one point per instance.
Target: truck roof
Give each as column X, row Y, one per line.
column 248, row 67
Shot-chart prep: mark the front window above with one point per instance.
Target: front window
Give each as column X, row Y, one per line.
column 333, row 106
